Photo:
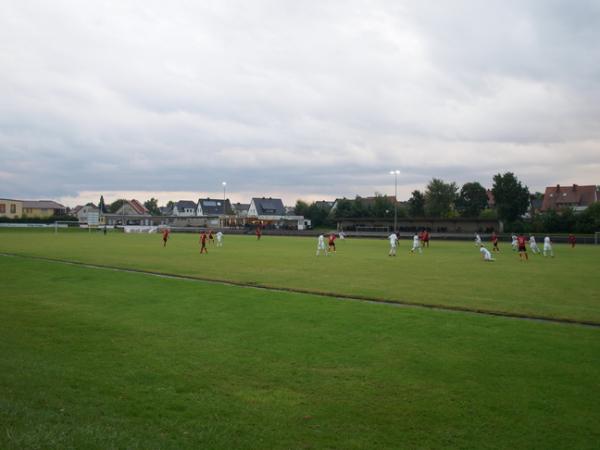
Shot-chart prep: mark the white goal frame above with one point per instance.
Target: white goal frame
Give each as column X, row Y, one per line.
column 65, row 222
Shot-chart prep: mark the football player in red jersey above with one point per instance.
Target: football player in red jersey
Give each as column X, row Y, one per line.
column 165, row 235
column 332, row 238
column 521, row 241
column 495, row 248
column 203, row 248
column 426, row 238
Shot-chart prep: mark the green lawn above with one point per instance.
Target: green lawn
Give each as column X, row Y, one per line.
column 91, row 358
column 449, row 273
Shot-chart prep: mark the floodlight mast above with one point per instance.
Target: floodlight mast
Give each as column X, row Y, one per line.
column 224, row 209
column 395, row 173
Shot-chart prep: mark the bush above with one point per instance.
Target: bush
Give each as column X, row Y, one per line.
column 488, row 214
column 25, row 219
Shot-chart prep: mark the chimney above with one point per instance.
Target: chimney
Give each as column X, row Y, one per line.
column 574, row 188
column 557, row 187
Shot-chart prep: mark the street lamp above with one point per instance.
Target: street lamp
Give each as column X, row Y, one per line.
column 224, row 210
column 395, row 173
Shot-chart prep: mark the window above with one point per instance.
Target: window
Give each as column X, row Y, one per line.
column 2, row 208
column 13, row 208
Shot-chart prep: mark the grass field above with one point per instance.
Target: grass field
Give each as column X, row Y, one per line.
column 449, row 273
column 93, row 358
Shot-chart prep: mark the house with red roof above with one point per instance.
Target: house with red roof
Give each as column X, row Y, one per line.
column 575, row 196
column 131, row 212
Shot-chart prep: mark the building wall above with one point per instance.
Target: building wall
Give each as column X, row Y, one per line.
column 82, row 214
column 38, row 212
column 252, row 210
column 11, row 208
column 186, row 212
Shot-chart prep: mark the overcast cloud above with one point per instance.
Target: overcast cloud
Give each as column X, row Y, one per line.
column 295, row 99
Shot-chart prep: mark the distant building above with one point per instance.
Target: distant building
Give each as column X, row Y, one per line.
column 43, row 208
column 133, row 207
column 184, row 208
column 271, row 213
column 11, row 209
column 241, row 209
column 213, row 207
column 131, row 212
column 575, row 196
column 166, row 210
column 536, row 203
column 325, row 204
column 266, row 208
column 82, row 212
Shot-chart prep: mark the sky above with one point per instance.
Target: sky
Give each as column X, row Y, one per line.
column 300, row 100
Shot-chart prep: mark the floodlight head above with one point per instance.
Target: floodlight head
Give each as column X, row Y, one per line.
column 224, row 183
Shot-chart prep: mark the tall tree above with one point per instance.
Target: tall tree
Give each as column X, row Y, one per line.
column 589, row 220
column 511, row 197
column 358, row 208
column 318, row 215
column 416, row 204
column 472, row 199
column 440, row 198
column 102, row 205
column 383, row 207
column 343, row 208
column 301, row 208
column 152, row 206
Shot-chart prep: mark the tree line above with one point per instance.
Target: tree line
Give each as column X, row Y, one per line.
column 440, row 199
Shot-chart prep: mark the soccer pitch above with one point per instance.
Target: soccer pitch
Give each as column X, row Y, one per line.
column 94, row 358
column 448, row 274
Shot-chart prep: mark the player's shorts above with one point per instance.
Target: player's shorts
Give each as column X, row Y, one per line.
column 522, row 248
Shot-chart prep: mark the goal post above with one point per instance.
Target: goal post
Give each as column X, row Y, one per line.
column 66, row 224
